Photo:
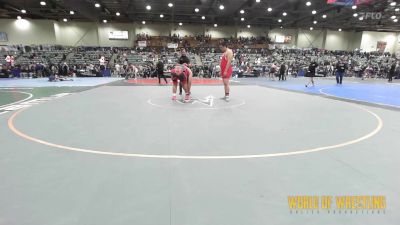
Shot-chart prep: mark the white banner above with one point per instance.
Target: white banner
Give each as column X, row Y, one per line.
column 142, row 44
column 283, row 39
column 118, row 35
column 172, row 45
column 279, row 39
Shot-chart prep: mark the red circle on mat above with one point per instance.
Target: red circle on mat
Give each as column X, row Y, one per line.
column 154, row 81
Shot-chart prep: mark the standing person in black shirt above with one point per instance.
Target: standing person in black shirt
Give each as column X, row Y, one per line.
column 183, row 60
column 65, row 69
column 282, row 72
column 340, row 69
column 311, row 73
column 160, row 72
column 391, row 72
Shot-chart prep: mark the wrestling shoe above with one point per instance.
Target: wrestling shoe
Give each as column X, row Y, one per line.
column 225, row 98
column 187, row 98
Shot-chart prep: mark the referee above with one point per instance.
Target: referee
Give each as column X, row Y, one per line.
column 182, row 60
column 160, row 72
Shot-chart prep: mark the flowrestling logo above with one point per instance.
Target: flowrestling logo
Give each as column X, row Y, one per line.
column 347, row 204
column 371, row 15
column 26, row 104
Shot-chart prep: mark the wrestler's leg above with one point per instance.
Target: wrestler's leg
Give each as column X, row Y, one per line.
column 226, row 87
column 174, row 89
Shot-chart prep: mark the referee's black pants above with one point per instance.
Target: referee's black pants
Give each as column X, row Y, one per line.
column 161, row 75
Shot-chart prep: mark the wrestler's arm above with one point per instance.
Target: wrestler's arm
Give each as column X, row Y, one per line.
column 190, row 74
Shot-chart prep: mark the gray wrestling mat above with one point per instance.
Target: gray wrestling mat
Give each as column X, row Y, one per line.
column 130, row 155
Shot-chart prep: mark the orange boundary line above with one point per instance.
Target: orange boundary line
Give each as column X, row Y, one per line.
column 305, row 151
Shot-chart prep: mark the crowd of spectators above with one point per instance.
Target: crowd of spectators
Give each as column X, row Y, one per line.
column 204, row 41
column 39, row 62
column 247, row 40
column 297, row 61
column 96, row 61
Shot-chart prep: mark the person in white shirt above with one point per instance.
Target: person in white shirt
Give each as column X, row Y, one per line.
column 258, row 61
column 201, row 73
column 134, row 70
column 102, row 61
column 117, row 69
column 125, row 62
column 217, row 70
column 8, row 60
column 272, row 71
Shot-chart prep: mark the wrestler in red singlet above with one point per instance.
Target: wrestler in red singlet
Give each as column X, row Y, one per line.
column 224, row 62
column 226, row 68
column 184, row 75
column 180, row 69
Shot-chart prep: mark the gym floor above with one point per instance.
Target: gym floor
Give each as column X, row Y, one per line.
column 121, row 152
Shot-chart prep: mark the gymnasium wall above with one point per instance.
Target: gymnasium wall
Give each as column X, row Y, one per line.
column 28, row 31
column 76, row 33
column 152, row 29
column 369, row 40
column 221, row 31
column 103, row 30
column 345, row 40
column 355, row 40
column 284, row 32
column 334, row 40
column 188, row 30
column 96, row 34
column 310, row 39
column 252, row 32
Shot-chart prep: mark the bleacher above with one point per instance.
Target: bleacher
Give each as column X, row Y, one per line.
column 89, row 57
column 246, row 59
column 142, row 58
column 172, row 58
column 45, row 57
column 3, row 55
column 202, row 41
column 209, row 59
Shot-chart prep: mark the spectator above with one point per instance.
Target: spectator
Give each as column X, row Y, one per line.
column 117, row 69
column 311, row 73
column 391, row 72
column 160, row 72
column 340, row 70
column 282, row 72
